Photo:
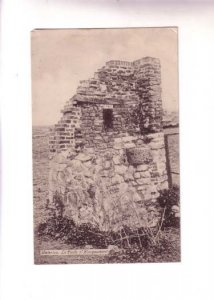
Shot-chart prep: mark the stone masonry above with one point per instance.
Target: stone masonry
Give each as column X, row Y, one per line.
column 108, row 146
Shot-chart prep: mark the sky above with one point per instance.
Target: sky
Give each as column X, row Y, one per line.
column 63, row 57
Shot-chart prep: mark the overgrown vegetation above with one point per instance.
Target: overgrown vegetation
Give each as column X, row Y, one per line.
column 133, row 245
column 169, row 202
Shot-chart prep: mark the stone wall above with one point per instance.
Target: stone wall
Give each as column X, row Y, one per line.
column 129, row 89
column 108, row 148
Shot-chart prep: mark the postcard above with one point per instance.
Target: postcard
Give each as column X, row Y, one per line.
column 105, row 145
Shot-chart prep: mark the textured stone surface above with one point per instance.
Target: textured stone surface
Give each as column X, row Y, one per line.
column 125, row 87
column 108, row 148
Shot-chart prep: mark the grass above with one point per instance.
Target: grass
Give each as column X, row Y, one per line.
column 168, row 250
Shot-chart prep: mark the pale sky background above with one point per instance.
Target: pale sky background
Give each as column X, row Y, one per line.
column 61, row 58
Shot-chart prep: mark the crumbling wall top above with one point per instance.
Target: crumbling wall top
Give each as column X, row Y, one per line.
column 119, row 63
column 135, row 63
column 146, row 60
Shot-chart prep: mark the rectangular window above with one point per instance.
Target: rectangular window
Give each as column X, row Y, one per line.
column 108, row 118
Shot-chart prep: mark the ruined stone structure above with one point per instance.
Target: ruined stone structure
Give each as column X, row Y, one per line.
column 109, row 144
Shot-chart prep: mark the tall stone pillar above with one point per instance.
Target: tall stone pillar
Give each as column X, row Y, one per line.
column 148, row 88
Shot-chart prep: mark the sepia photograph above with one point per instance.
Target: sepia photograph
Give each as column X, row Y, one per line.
column 105, row 123
column 106, row 150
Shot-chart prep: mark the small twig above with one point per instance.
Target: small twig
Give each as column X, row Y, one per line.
column 130, row 236
column 161, row 223
column 127, row 238
column 149, row 234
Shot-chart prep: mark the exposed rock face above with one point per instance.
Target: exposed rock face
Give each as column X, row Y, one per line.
column 109, row 156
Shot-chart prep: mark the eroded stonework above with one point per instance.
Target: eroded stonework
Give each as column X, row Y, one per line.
column 108, row 155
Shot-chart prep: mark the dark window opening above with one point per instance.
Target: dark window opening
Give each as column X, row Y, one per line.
column 108, row 118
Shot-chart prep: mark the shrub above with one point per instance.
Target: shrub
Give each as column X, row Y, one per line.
column 56, row 227
column 169, row 202
column 88, row 234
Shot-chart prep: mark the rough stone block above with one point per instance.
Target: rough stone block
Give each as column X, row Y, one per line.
column 134, row 183
column 138, row 156
column 129, row 145
column 118, row 146
column 83, row 157
column 128, row 138
column 143, row 181
column 117, row 159
column 142, row 168
column 144, row 174
column 128, row 177
column 107, row 164
column 131, row 170
column 120, row 169
column 137, row 175
column 141, row 188
column 140, row 181
column 139, row 142
column 117, row 179
column 155, row 146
